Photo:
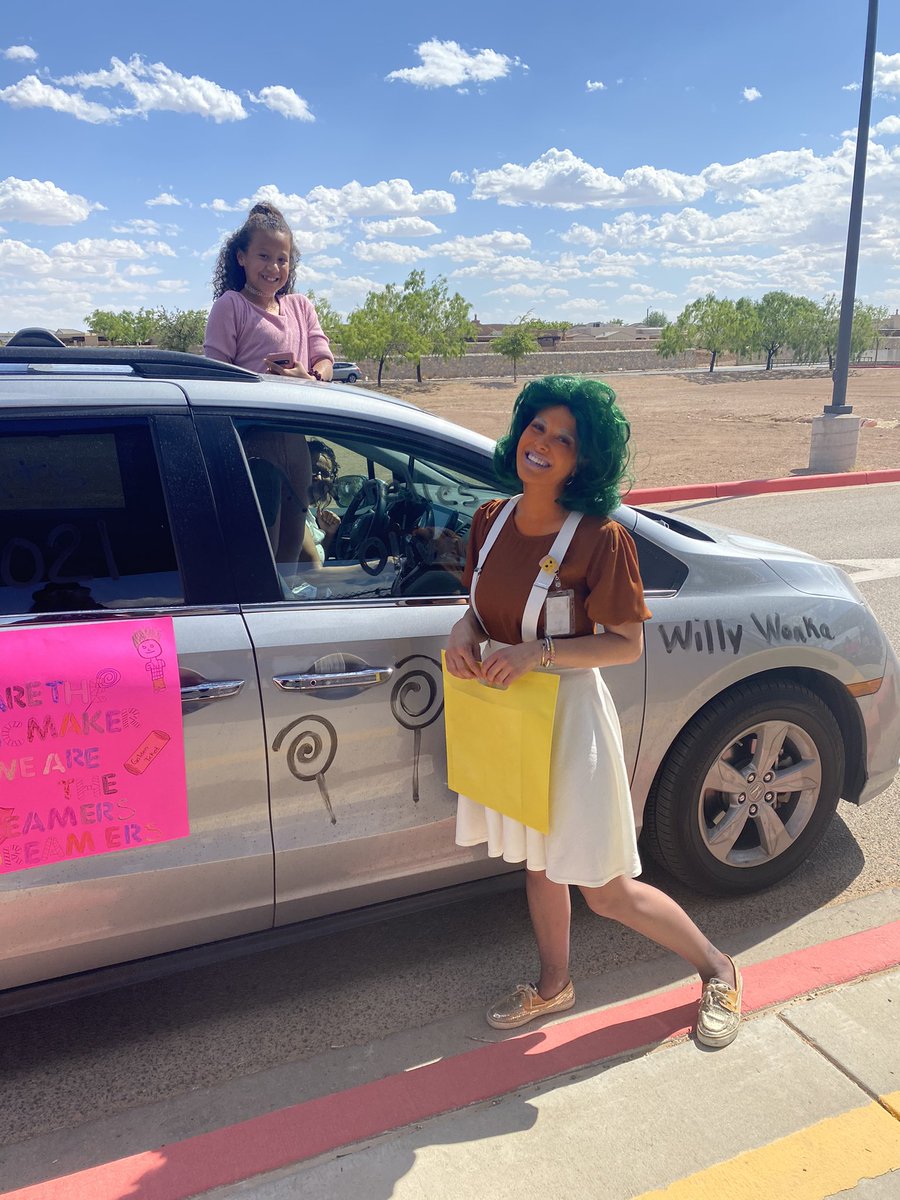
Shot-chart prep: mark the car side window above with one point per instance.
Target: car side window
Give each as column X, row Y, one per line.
column 83, row 520
column 361, row 518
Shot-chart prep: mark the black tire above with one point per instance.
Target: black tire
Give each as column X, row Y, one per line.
column 351, row 378
column 689, row 822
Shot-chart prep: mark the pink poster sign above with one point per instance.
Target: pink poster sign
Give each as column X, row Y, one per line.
column 91, row 741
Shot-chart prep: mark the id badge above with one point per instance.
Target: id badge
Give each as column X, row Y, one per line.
column 559, row 613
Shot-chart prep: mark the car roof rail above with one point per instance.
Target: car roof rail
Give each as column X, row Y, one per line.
column 35, row 336
column 145, row 361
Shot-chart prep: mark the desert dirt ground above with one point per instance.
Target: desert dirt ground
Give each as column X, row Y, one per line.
column 702, row 428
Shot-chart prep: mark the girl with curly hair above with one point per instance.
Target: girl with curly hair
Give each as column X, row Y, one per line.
column 567, row 452
column 257, row 319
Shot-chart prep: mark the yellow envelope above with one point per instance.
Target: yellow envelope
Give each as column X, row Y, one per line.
column 499, row 742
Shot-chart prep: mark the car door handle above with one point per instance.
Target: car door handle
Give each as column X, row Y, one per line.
column 314, row 681
column 211, row 689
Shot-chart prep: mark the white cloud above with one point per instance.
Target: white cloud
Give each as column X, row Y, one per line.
column 737, row 180
column 483, row 245
column 138, row 225
column 222, row 206
column 446, row 64
column 580, row 309
column 326, row 208
column 528, row 291
column 32, row 92
column 172, row 285
column 400, row 227
column 595, row 85
column 643, row 291
column 163, row 200
column 459, row 177
column 136, row 270
column 20, row 53
column 510, row 267
column 154, row 87
column 162, row 248
column 283, row 100
column 810, row 213
column 42, row 203
column 18, row 256
column 390, row 252
column 645, row 296
column 106, row 249
column 887, row 74
column 563, row 180
column 323, row 262
column 888, row 126
column 751, row 93
column 850, row 87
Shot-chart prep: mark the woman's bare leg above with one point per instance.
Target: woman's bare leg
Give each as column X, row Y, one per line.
column 656, row 915
column 550, row 907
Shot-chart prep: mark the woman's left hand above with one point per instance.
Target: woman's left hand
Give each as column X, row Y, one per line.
column 504, row 666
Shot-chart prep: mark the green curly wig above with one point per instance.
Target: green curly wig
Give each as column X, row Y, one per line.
column 603, row 434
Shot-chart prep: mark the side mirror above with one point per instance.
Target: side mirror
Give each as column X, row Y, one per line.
column 345, row 488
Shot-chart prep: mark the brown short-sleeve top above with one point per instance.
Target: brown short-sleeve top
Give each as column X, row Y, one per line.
column 601, row 567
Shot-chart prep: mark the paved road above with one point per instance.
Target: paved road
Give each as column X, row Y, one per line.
column 94, row 1058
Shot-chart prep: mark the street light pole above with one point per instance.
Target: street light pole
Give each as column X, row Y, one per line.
column 839, row 405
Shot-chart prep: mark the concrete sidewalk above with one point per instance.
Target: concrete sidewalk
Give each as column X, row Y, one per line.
column 613, row 1101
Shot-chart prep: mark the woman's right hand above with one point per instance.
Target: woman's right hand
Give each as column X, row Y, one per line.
column 463, row 654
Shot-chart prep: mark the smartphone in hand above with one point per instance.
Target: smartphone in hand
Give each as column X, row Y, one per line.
column 284, row 358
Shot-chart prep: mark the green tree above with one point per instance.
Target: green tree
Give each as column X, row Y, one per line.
column 705, row 324
column 775, row 315
column 180, row 329
column 822, row 330
column 808, row 333
column 124, row 328
column 379, row 329
column 656, row 318
column 437, row 323
column 867, row 318
column 329, row 318
column 109, row 325
column 517, row 340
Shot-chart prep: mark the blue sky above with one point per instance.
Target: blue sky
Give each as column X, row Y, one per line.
column 582, row 162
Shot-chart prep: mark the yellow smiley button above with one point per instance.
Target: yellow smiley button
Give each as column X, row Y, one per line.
column 549, row 565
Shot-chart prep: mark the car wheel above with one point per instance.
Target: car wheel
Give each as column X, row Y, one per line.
column 747, row 790
column 351, row 378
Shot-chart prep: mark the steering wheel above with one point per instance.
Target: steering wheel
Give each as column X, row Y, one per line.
column 365, row 536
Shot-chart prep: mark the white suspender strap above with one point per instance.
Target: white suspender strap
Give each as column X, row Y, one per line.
column 539, row 588
column 493, row 534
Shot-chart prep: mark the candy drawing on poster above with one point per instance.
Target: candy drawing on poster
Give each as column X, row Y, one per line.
column 91, row 741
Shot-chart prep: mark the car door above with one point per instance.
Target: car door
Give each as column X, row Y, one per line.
column 348, row 653
column 106, row 515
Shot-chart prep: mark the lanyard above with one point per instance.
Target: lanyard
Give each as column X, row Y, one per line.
column 539, row 588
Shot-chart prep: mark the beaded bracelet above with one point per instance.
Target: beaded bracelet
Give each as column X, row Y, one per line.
column 547, row 651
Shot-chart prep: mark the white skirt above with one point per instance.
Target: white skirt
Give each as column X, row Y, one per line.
column 592, row 835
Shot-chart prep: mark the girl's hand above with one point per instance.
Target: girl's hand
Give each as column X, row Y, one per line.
column 323, row 369
column 463, row 654
column 295, row 372
column 504, row 666
column 329, row 522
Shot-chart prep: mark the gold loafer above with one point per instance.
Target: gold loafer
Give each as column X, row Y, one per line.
column 719, row 1017
column 527, row 1004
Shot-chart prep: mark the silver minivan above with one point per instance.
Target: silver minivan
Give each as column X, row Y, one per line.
column 144, row 486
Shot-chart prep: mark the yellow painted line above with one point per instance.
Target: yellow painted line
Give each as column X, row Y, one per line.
column 830, row 1156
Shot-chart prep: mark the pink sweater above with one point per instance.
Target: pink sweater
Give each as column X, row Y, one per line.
column 239, row 332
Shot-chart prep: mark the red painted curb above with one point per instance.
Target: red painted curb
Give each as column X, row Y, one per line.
column 302, row 1131
column 757, row 487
